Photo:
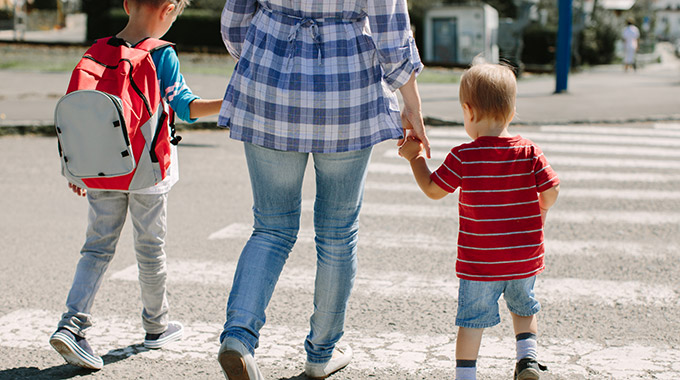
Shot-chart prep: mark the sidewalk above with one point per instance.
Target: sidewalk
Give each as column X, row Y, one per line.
column 602, row 94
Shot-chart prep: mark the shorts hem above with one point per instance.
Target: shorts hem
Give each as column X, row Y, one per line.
column 531, row 312
column 469, row 325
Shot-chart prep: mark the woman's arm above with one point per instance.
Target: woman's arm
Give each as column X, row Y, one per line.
column 411, row 115
column 235, row 21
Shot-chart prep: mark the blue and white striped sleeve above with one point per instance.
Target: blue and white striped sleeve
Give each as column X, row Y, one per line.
column 391, row 32
column 236, row 18
column 174, row 89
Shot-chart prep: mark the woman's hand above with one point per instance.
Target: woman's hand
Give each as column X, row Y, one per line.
column 414, row 126
column 412, row 115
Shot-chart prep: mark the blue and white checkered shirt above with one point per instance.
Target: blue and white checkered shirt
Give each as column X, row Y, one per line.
column 316, row 75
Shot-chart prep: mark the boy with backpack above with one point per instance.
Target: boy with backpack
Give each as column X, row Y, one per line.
column 506, row 188
column 146, row 134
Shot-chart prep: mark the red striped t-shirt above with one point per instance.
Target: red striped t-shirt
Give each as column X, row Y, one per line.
column 500, row 233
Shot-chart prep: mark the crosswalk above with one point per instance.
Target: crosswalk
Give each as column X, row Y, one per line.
column 612, row 252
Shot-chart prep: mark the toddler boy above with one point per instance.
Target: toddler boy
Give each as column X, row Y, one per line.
column 506, row 188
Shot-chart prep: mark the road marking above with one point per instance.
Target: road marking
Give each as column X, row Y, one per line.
column 542, row 137
column 565, row 192
column 430, row 243
column 589, row 162
column 565, row 175
column 378, row 240
column 119, row 336
column 668, row 126
column 590, row 130
column 587, row 149
column 557, row 215
column 393, row 283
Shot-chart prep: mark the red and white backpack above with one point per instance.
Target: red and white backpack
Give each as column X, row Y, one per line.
column 114, row 128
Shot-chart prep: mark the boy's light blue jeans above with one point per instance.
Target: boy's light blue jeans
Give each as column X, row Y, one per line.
column 276, row 179
column 107, row 213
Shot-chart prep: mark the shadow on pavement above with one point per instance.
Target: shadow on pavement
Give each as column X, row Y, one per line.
column 64, row 371
column 298, row 377
column 67, row 371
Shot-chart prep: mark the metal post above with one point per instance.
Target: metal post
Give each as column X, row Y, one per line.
column 563, row 58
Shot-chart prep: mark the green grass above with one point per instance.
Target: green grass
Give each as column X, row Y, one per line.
column 42, row 58
column 439, row 75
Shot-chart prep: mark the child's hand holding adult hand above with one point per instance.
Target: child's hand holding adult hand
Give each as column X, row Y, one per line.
column 411, row 148
column 414, row 127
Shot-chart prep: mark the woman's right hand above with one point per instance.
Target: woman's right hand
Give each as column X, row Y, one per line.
column 412, row 115
column 413, row 124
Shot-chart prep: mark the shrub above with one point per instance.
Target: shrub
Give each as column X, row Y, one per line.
column 539, row 44
column 598, row 44
column 194, row 28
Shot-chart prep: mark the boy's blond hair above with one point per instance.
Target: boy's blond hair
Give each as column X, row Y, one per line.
column 180, row 4
column 490, row 89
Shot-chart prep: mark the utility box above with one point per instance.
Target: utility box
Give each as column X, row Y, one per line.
column 455, row 35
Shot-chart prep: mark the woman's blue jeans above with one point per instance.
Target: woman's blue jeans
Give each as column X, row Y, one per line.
column 276, row 179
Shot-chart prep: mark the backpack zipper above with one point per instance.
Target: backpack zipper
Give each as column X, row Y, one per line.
column 132, row 82
column 152, row 151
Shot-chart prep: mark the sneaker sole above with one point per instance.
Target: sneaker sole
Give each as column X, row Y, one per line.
column 73, row 354
column 159, row 343
column 528, row 374
column 233, row 365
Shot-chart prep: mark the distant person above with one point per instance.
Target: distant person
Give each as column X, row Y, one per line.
column 314, row 80
column 147, row 207
column 631, row 37
column 506, row 188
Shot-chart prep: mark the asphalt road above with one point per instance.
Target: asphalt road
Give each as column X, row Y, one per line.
column 610, row 293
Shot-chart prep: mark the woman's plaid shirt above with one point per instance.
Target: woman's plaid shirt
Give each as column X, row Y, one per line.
column 316, row 76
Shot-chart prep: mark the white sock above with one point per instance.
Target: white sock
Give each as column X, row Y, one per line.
column 527, row 346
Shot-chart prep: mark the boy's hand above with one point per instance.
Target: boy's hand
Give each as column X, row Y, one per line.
column 411, row 148
column 77, row 190
column 412, row 122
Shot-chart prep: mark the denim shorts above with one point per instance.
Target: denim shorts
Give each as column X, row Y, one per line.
column 478, row 301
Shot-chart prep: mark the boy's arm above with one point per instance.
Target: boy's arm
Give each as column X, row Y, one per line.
column 422, row 174
column 204, row 107
column 546, row 199
column 412, row 150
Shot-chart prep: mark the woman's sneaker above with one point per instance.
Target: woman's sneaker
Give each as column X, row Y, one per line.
column 528, row 369
column 75, row 349
column 237, row 362
column 340, row 359
column 171, row 334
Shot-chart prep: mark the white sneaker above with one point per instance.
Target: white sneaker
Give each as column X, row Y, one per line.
column 236, row 361
column 341, row 357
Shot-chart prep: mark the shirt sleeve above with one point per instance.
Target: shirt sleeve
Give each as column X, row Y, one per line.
column 449, row 175
column 391, row 32
column 174, row 89
column 544, row 173
column 235, row 21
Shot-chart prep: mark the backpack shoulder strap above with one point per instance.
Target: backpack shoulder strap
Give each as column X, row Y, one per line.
column 153, row 44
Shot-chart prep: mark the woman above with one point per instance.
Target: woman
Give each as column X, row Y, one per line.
column 313, row 77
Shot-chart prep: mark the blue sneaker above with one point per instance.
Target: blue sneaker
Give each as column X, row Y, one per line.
column 75, row 349
column 171, row 334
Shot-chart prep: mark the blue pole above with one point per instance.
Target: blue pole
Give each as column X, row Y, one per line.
column 563, row 57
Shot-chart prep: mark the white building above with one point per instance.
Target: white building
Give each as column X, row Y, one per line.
column 457, row 34
column 667, row 19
